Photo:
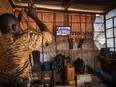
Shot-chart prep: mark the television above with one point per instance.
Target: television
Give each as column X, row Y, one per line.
column 63, row 30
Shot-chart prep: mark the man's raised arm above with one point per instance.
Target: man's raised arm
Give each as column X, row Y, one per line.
column 33, row 14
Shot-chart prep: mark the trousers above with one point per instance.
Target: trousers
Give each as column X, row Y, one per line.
column 108, row 78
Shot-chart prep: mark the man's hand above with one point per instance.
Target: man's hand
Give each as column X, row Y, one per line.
column 33, row 14
column 32, row 11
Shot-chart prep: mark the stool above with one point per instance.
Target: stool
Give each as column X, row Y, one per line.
column 95, row 84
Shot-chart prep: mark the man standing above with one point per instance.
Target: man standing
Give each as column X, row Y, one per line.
column 15, row 48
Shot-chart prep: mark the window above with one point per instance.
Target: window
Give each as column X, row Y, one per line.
column 109, row 33
column 99, row 33
column 111, row 30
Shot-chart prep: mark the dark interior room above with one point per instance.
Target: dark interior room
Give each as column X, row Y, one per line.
column 57, row 43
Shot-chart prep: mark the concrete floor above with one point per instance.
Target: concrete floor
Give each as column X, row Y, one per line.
column 64, row 86
column 81, row 79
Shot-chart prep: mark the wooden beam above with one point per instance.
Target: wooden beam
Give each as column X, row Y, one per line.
column 68, row 4
column 109, row 9
column 65, row 9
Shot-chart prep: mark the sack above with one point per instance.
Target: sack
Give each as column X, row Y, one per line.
column 46, row 66
column 79, row 66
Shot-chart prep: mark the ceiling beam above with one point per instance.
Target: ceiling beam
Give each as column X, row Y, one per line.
column 109, row 9
column 68, row 4
column 56, row 8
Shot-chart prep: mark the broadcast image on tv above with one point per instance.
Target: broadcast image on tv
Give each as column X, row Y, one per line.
column 63, row 30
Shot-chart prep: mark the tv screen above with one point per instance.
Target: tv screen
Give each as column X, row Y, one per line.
column 63, row 30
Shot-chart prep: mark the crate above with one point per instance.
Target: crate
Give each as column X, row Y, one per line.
column 46, row 77
column 56, row 76
column 57, row 83
column 36, row 75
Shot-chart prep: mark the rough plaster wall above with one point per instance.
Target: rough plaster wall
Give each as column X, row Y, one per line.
column 5, row 7
column 87, row 54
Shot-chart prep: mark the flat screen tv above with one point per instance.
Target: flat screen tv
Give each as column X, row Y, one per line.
column 63, row 30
